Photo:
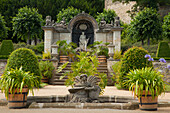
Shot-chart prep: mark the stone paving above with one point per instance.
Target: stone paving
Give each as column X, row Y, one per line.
column 63, row 90
column 51, row 90
column 4, row 109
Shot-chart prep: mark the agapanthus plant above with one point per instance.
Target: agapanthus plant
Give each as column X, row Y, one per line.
column 164, row 68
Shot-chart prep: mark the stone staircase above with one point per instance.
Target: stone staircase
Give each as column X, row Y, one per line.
column 55, row 80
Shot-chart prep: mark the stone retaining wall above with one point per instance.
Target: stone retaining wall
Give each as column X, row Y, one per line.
column 109, row 66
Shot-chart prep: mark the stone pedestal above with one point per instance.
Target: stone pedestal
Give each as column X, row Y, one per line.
column 117, row 40
column 48, row 35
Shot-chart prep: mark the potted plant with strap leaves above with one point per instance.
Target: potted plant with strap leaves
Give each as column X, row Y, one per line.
column 16, row 83
column 147, row 84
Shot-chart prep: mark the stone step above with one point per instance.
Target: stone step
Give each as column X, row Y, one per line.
column 99, row 68
column 57, row 83
column 58, row 80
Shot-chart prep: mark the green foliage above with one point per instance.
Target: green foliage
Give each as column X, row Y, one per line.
column 65, row 48
column 46, row 68
column 9, row 8
column 3, row 28
column 4, row 56
column 167, row 87
column 166, row 26
column 68, row 14
column 108, row 16
column 133, row 58
column 116, row 71
column 6, row 47
column 38, row 49
column 47, row 55
column 27, row 24
column 163, row 50
column 89, row 6
column 17, row 79
column 86, row 64
column 99, row 48
column 117, row 55
column 146, row 79
column 25, row 58
column 145, row 25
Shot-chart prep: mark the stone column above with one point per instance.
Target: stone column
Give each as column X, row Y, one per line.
column 117, row 40
column 48, row 38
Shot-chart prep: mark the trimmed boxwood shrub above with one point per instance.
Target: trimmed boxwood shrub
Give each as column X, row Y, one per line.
column 133, row 58
column 6, row 47
column 27, row 59
column 163, row 50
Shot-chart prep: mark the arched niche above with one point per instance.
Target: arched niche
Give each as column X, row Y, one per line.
column 83, row 23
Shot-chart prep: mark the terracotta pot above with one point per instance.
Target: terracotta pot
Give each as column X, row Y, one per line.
column 102, row 59
column 18, row 100
column 44, row 79
column 63, row 59
column 148, row 103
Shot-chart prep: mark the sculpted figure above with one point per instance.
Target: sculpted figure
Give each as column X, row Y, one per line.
column 85, row 89
column 63, row 23
column 102, row 23
column 48, row 21
column 83, row 41
column 117, row 22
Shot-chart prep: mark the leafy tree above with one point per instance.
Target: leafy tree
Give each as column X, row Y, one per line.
column 9, row 8
column 145, row 25
column 27, row 24
column 3, row 28
column 141, row 4
column 68, row 14
column 166, row 26
column 89, row 6
column 108, row 16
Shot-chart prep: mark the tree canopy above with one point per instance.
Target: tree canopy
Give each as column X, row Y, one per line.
column 3, row 28
column 166, row 26
column 68, row 14
column 145, row 25
column 9, row 8
column 108, row 16
column 27, row 24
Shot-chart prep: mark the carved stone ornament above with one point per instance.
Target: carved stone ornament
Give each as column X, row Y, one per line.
column 83, row 27
column 48, row 21
column 85, row 90
column 102, row 23
column 117, row 22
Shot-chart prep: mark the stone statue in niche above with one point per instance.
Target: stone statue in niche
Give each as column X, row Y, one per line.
column 102, row 23
column 117, row 22
column 48, row 21
column 85, row 90
column 83, row 41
